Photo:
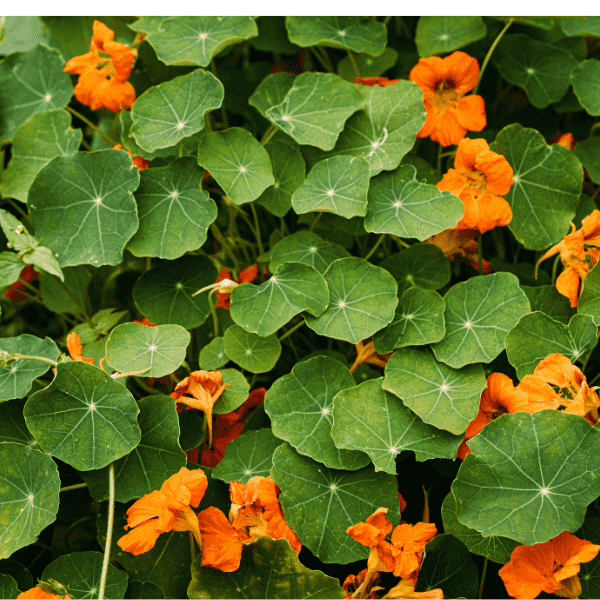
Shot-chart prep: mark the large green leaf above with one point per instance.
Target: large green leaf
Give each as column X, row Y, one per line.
column 315, row 109
column 293, row 288
column 8, row 586
column 586, row 84
column 82, row 207
column 547, row 184
column 349, row 33
column 83, row 417
column 371, row 419
column 589, row 301
column 13, row 427
column 546, row 299
column 529, row 476
column 164, row 294
column 250, row 351
column 29, row 485
column 363, row 300
column 165, row 114
column 173, row 210
column 479, row 314
column 22, row 33
column 300, row 406
column 195, row 40
column 437, row 35
column 271, row 91
column 536, row 335
column 442, row 396
column 400, row 205
column 268, row 569
column 34, row 145
column 319, row 504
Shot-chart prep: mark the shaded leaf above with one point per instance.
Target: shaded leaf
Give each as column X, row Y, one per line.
column 12, row 426
column 272, row 36
column 250, row 351
column 546, row 299
column 586, row 83
column 437, row 35
column 10, row 268
column 589, row 301
column 368, row 66
column 137, row 589
column 8, row 586
column 56, row 298
column 271, row 91
column 587, row 152
column 212, row 356
column 589, row 26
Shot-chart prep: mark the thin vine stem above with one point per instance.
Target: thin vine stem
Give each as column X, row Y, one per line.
column 486, row 60
column 375, row 246
column 219, row 236
column 483, row 573
column 109, row 529
column 290, row 331
column 269, row 133
column 480, row 252
column 77, row 486
column 92, row 125
column 353, row 62
column 261, row 249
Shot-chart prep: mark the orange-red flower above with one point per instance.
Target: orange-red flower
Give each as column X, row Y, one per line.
column 141, row 163
column 461, row 243
column 76, row 349
column 406, row 589
column 103, row 72
column 365, row 353
column 445, row 81
column 246, row 275
column 479, row 178
column 15, row 290
column 409, row 542
column 37, row 593
column 353, row 582
column 373, row 81
column 550, row 567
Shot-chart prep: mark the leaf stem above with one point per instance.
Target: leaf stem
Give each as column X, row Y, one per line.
column 215, row 231
column 486, row 60
column 554, row 269
column 269, row 133
column 315, row 221
column 480, row 252
column 261, row 250
column 8, row 355
column 77, row 486
column 30, row 287
column 353, row 62
column 213, row 310
column 376, row 245
column 92, row 125
column 482, row 583
column 290, row 331
column 109, row 529
column 18, row 208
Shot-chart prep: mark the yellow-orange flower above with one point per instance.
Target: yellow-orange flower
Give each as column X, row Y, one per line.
column 76, row 349
column 406, row 589
column 365, row 353
column 36, row 593
column 141, row 163
column 461, row 243
column 445, row 81
column 103, row 72
column 479, row 178
column 550, row 567
column 373, row 81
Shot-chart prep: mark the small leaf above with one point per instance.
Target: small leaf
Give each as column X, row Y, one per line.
column 271, row 91
column 17, row 235
column 56, row 299
column 8, row 586
column 588, row 26
column 23, row 33
column 234, row 395
column 43, row 259
column 587, row 152
column 437, row 35
column 212, row 356
column 252, row 352
column 546, row 299
column 12, row 426
column 586, row 83
column 368, row 66
column 589, row 301
column 10, row 268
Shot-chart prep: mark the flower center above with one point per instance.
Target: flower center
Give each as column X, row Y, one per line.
column 106, row 65
column 476, row 180
column 445, row 97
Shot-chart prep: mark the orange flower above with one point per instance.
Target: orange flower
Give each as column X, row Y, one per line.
column 578, row 253
column 373, row 81
column 103, row 72
column 353, row 582
column 479, row 178
column 246, row 275
column 15, row 290
column 39, row 594
column 409, row 543
column 365, row 353
column 550, row 567
column 372, row 533
column 445, row 81
column 144, row 321
column 406, row 589
column 75, row 349
column 141, row 164
column 566, row 140
column 461, row 243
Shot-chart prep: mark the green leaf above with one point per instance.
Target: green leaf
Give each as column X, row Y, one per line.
column 529, row 492
column 15, row 380
column 165, row 114
column 447, row 565
column 250, row 455
column 147, row 24
column 426, row 173
column 371, row 419
column 536, row 335
column 164, row 294
column 8, row 586
column 56, row 298
column 363, row 300
column 437, row 35
column 368, row 66
column 82, row 207
column 588, row 26
column 419, row 320
column 587, row 152
column 271, row 91
column 81, row 573
column 589, row 301
column 29, row 485
column 498, row 549
column 17, row 235
column 300, row 406
column 234, row 395
column 338, row 184
column 10, row 268
column 250, row 351
column 348, row 33
column 12, row 426
column 22, row 33
column 542, row 70
column 42, row 258
column 547, row 186
column 444, row 397
column 268, row 569
column 315, row 109
column 34, row 145
column 99, row 325
column 195, row 40
column 333, row 500
column 18, row 572
column 546, row 299
column 293, row 288
column 237, row 161
column 83, row 417
column 212, row 356
column 32, row 82
column 479, row 314
column 400, row 205
column 137, row 589
column 155, row 459
column 272, row 36
column 586, row 83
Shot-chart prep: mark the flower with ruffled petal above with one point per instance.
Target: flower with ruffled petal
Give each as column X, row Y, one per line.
column 15, row 290
column 246, row 275
column 76, row 349
column 461, row 243
column 409, row 544
column 373, row 81
column 140, row 162
column 42, row 591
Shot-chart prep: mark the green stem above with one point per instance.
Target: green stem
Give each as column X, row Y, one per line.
column 323, row 58
column 486, row 60
column 30, row 287
column 269, row 133
column 401, row 243
column 312, row 226
column 554, row 269
column 92, row 125
column 213, row 310
column 372, row 250
column 353, row 62
column 386, row 20
column 77, row 486
column 213, row 69
column 290, row 331
column 498, row 236
column 480, row 252
column 482, row 583
column 146, row 388
column 17, row 355
column 261, row 250
column 215, row 231
column 109, row 529
column 192, row 546
column 18, row 208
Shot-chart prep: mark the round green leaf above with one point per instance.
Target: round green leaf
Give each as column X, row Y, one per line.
column 368, row 66
column 547, row 186
column 212, row 356
column 437, row 35
column 546, row 299
column 18, row 572
column 250, row 455
column 370, row 419
column 29, row 485
column 300, row 406
column 587, row 152
column 293, row 288
column 542, row 70
column 158, row 351
column 589, row 26
column 589, row 301
column 268, row 569
column 234, row 395
column 586, row 83
column 529, row 477
column 419, row 320
column 363, row 300
column 252, row 352
column 34, row 145
column 237, row 161
column 15, row 380
column 8, row 586
column 479, row 314
column 12, row 425
column 536, row 335
column 400, row 205
column 315, row 109
column 82, row 206
column 195, row 40
column 147, row 24
column 164, row 294
column 82, row 571
column 271, row 91
column 165, row 114
column 349, row 33
column 338, row 184
column 83, row 417
column 319, row 504
column 23, row 33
